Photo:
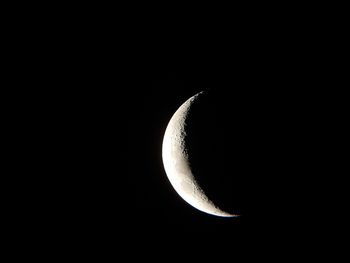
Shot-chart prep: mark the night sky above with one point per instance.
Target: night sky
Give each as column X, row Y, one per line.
column 109, row 175
column 106, row 112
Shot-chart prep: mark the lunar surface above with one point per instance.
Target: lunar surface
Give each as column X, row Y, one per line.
column 177, row 164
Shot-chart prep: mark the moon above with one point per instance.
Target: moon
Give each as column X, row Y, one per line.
column 177, row 165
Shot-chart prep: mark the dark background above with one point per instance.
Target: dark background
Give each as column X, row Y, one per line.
column 98, row 106
column 109, row 174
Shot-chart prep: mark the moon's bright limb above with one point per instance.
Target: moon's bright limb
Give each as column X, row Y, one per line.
column 176, row 163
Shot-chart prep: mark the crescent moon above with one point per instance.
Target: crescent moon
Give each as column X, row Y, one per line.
column 177, row 166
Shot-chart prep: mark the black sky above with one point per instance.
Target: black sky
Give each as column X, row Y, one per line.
column 115, row 116
column 104, row 106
